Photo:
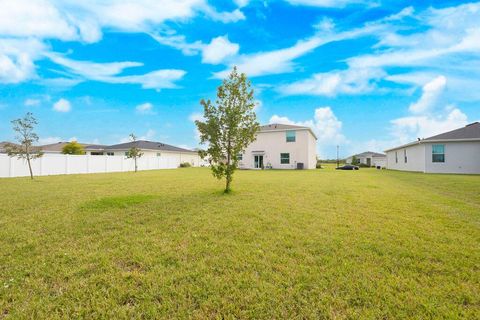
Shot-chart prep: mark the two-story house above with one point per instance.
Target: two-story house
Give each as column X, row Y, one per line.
column 281, row 146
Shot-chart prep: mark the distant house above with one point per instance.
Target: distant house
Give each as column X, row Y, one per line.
column 281, row 146
column 369, row 158
column 149, row 148
column 55, row 148
column 456, row 151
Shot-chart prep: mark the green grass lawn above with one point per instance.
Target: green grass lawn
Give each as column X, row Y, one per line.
column 285, row 244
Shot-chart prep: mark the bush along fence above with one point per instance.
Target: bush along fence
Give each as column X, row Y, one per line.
column 54, row 164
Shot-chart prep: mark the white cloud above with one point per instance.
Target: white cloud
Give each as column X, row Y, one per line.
column 109, row 73
column 324, row 124
column 325, row 3
column 427, row 116
column 430, row 95
column 17, row 59
column 49, row 140
column 408, row 129
column 24, row 22
column 351, row 81
column 34, row 18
column 218, row 49
column 145, row 108
column 282, row 60
column 62, row 105
column 214, row 52
column 32, row 102
column 84, row 20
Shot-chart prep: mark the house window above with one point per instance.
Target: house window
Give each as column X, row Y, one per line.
column 158, row 154
column 405, row 155
column 396, row 157
column 94, row 153
column 291, row 136
column 126, row 153
column 284, row 158
column 110, row 153
column 438, row 153
column 239, row 157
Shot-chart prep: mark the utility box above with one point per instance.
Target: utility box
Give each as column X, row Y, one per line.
column 299, row 165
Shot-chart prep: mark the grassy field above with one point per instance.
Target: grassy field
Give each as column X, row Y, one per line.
column 297, row 244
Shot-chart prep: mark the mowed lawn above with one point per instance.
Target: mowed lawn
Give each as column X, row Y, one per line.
column 297, row 244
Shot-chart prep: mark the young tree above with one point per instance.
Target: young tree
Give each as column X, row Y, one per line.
column 230, row 125
column 25, row 136
column 134, row 152
column 73, row 147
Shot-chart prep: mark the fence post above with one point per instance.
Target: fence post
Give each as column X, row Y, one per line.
column 12, row 169
column 88, row 163
column 66, row 163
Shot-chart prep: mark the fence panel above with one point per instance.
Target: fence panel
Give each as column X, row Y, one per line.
column 54, row 164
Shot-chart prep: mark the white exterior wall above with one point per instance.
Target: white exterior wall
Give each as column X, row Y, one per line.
column 460, row 157
column 374, row 161
column 415, row 158
column 271, row 143
column 53, row 164
column 379, row 162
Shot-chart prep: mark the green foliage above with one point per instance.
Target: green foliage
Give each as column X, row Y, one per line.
column 355, row 160
column 134, row 152
column 185, row 165
column 74, row 148
column 230, row 125
column 311, row 244
column 26, row 138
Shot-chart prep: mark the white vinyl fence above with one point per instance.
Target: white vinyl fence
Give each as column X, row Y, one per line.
column 52, row 164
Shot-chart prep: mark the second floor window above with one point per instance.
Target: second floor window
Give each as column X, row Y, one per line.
column 291, row 136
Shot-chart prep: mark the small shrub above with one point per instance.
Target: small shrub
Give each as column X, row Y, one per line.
column 185, row 165
column 319, row 165
column 363, row 165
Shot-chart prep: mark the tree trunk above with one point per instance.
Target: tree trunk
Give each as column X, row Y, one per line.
column 135, row 163
column 30, row 167
column 227, row 185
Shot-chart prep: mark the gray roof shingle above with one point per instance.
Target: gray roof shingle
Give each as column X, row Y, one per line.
column 146, row 145
column 279, row 126
column 470, row 131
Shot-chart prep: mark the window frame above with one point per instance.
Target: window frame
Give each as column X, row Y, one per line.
column 288, row 138
column 405, row 159
column 396, row 156
column 434, row 153
column 240, row 157
column 283, row 158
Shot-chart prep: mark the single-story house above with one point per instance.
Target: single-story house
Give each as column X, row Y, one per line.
column 456, row 151
column 369, row 158
column 57, row 147
column 148, row 148
column 281, row 146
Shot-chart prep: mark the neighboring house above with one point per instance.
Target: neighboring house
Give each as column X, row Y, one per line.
column 369, row 158
column 281, row 146
column 2, row 146
column 456, row 151
column 149, row 148
column 56, row 148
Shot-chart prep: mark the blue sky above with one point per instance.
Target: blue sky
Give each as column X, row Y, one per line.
column 365, row 75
